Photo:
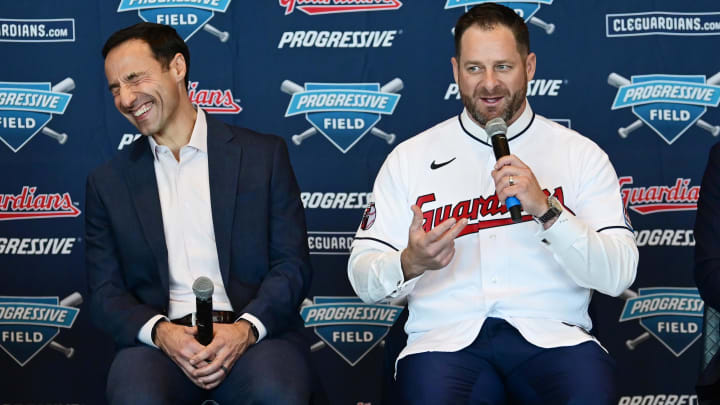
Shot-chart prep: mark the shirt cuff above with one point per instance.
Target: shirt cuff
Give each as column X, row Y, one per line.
column 262, row 332
column 145, row 333
column 392, row 276
column 566, row 230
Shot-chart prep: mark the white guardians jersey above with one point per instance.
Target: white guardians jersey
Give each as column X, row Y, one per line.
column 540, row 281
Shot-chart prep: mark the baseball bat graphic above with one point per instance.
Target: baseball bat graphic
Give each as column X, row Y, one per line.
column 633, row 343
column 319, row 344
column 72, row 300
column 389, row 138
column 221, row 35
column 67, row 351
column 299, row 138
column 290, row 87
column 616, row 80
column 549, row 28
column 66, row 85
column 713, row 129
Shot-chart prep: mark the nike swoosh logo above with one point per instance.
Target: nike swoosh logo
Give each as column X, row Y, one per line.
column 434, row 165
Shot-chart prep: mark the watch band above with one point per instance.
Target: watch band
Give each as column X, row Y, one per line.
column 552, row 212
column 253, row 329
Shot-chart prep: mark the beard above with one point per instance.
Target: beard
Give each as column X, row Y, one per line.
column 510, row 105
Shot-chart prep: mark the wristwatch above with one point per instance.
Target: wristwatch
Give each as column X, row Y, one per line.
column 552, row 213
column 253, row 329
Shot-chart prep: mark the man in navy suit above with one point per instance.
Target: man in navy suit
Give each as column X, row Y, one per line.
column 707, row 261
column 193, row 197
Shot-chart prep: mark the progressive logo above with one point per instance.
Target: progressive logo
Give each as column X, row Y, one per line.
column 29, row 324
column 524, row 8
column 186, row 16
column 315, row 7
column 673, row 315
column 342, row 112
column 347, row 325
column 27, row 107
column 667, row 104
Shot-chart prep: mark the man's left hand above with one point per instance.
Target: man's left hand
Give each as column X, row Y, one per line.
column 525, row 186
column 229, row 342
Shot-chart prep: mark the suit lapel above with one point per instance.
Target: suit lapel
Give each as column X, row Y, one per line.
column 224, row 170
column 140, row 175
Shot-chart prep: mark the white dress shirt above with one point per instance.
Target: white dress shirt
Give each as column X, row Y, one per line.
column 184, row 190
column 539, row 281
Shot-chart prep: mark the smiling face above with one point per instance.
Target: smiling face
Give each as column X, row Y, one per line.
column 492, row 74
column 147, row 93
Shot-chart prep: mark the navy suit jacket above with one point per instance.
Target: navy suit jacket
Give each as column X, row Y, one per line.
column 707, row 261
column 259, row 226
column 707, row 233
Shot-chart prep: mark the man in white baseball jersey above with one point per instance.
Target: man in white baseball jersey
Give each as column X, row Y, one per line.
column 497, row 309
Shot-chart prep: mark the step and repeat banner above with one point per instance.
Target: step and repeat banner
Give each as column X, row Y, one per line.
column 641, row 79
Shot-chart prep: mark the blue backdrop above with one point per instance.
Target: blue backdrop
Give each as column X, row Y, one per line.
column 639, row 78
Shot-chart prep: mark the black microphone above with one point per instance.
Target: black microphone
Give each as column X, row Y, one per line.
column 496, row 128
column 203, row 289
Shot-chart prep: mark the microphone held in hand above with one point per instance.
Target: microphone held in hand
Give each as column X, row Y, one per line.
column 203, row 290
column 496, row 128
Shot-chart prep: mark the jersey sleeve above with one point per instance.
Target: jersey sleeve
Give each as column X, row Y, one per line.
column 374, row 266
column 596, row 245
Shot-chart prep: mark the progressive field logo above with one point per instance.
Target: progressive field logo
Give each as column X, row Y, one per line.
column 347, row 325
column 315, row 7
column 27, row 107
column 524, row 8
column 667, row 104
column 342, row 112
column 186, row 16
column 29, row 324
column 673, row 315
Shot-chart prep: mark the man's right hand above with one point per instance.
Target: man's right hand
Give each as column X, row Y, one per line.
column 429, row 250
column 179, row 343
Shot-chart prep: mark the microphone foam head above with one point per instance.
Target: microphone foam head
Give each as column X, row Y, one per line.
column 203, row 288
column 496, row 126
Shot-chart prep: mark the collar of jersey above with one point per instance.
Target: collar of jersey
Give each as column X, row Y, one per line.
column 519, row 127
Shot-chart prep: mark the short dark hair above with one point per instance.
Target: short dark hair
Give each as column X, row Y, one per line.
column 163, row 40
column 489, row 15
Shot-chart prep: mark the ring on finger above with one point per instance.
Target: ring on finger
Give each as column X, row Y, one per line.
column 511, row 181
column 224, row 369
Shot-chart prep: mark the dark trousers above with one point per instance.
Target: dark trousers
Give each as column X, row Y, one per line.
column 501, row 367
column 274, row 371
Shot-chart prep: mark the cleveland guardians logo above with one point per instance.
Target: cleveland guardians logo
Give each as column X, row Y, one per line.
column 30, row 205
column 342, row 112
column 668, row 104
column 673, row 315
column 313, row 7
column 474, row 210
column 350, row 327
column 29, row 324
column 213, row 101
column 524, row 8
column 27, row 107
column 677, row 197
column 186, row 16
